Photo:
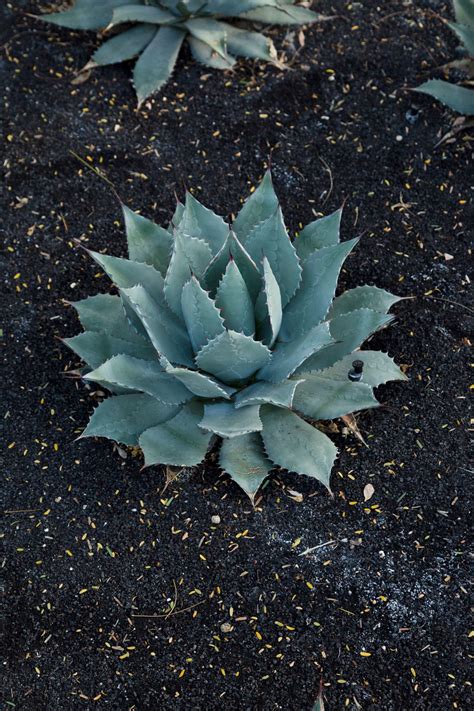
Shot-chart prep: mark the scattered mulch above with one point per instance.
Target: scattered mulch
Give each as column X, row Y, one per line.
column 120, row 594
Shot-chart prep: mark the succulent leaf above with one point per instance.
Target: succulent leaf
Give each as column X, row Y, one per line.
column 458, row 98
column 279, row 394
column 233, row 300
column 201, row 316
column 287, row 357
column 143, row 375
column 123, row 46
column 261, row 205
column 179, row 442
column 204, row 54
column 94, row 348
column 465, row 34
column 105, row 313
column 124, row 417
column 378, row 368
column 362, row 297
column 140, row 13
column 282, row 15
column 87, row 14
column 295, row 445
column 321, row 398
column 323, row 232
column 271, row 239
column 190, row 256
column 244, row 460
column 232, row 357
column 125, row 274
column 268, row 307
column 247, row 267
column 225, row 420
column 204, row 224
column 464, row 12
column 155, row 65
column 201, row 385
column 318, row 286
column 147, row 241
column 244, row 43
column 209, row 31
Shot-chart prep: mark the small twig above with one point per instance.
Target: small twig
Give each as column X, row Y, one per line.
column 331, row 181
column 170, row 614
column 17, row 511
column 448, row 301
column 321, row 545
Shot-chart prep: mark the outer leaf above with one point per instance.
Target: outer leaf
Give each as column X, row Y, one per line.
column 201, row 316
column 209, row 31
column 86, row 14
column 147, row 241
column 293, row 444
column 464, row 12
column 323, row 232
column 247, row 267
column 204, row 54
column 134, row 12
column 95, row 348
column 190, row 256
column 156, row 64
column 104, row 313
column 177, row 217
column 312, row 300
column 228, row 7
column 198, row 383
column 223, row 419
column 379, row 368
column 124, row 417
column 279, row 394
column 179, row 442
column 455, row 97
column 288, row 356
column 166, row 334
column 144, row 375
column 283, row 15
column 268, row 307
column 271, row 239
column 233, row 299
column 123, row 46
column 244, row 43
column 465, row 34
column 125, row 274
column 232, row 356
column 320, row 398
column 362, row 297
column 261, row 204
column 200, row 222
column 244, row 460
column 349, row 331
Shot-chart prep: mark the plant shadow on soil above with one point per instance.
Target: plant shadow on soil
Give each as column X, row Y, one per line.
column 244, row 619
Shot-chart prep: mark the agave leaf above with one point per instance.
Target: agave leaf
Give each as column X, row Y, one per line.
column 164, row 331
column 279, row 394
column 464, row 12
column 124, row 417
column 362, row 297
column 179, row 442
column 349, row 331
column 177, row 217
column 268, row 307
column 123, row 46
column 288, row 356
column 204, row 54
column 105, row 313
column 209, row 31
column 155, row 65
column 201, row 316
column 147, row 241
column 261, row 204
column 198, row 383
column 228, row 7
column 144, row 375
column 323, row 399
column 134, row 12
column 232, row 356
column 323, row 232
column 244, row 43
column 200, row 222
column 378, row 369
column 94, row 348
column 271, row 238
column 126, row 273
column 190, row 256
column 465, row 34
column 247, row 267
column 455, row 97
column 282, row 15
column 293, row 444
column 86, row 14
column 312, row 300
column 223, row 419
column 234, row 302
column 244, row 460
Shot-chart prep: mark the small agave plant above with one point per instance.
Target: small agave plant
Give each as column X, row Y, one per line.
column 161, row 26
column 231, row 333
column 458, row 98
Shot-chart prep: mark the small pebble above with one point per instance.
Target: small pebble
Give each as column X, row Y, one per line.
column 215, row 519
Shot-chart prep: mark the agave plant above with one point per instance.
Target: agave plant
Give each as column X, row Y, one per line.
column 458, row 98
column 160, row 27
column 231, row 333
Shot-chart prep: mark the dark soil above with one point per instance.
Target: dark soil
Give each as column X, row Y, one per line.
column 93, row 547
